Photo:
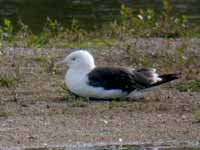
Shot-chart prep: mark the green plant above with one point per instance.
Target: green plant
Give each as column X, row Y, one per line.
column 47, row 62
column 6, row 31
column 37, row 41
column 80, row 102
column 8, row 80
column 24, row 31
column 75, row 33
column 52, row 27
column 148, row 22
column 131, row 23
column 197, row 115
column 43, row 58
column 50, row 31
column 6, row 114
column 191, row 86
column 117, row 104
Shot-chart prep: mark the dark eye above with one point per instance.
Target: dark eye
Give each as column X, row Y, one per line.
column 73, row 58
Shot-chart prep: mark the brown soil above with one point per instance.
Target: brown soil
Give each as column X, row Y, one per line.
column 35, row 111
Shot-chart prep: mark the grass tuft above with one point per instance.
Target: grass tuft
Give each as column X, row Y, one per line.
column 8, row 80
column 193, row 86
column 197, row 116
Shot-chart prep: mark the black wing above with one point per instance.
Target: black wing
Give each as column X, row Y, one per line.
column 118, row 78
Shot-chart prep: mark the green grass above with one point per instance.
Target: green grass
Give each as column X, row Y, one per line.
column 138, row 106
column 42, row 58
column 6, row 32
column 145, row 23
column 92, row 43
column 197, row 116
column 80, row 102
column 8, row 80
column 6, row 114
column 117, row 104
column 47, row 62
column 193, row 86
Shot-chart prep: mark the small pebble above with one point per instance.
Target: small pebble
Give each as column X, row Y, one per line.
column 183, row 117
column 105, row 121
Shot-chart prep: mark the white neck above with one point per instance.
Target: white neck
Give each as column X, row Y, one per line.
column 79, row 72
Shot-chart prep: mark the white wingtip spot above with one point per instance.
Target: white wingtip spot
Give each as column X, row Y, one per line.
column 153, row 70
column 156, row 77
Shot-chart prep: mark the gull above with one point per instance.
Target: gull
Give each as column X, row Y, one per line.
column 85, row 79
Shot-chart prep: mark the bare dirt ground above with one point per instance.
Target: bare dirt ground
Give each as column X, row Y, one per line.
column 35, row 111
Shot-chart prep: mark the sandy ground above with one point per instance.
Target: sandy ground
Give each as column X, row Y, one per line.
column 35, row 111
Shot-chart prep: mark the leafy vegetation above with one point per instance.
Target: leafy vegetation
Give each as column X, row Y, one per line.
column 6, row 32
column 145, row 23
column 197, row 116
column 191, row 86
column 8, row 80
column 11, row 80
column 47, row 61
column 148, row 22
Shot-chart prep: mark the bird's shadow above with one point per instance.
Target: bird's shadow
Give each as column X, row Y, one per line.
column 63, row 100
column 117, row 99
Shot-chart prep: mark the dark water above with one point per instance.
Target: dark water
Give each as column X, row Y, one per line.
column 88, row 12
column 124, row 147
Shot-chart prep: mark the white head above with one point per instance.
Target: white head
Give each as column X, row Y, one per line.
column 80, row 59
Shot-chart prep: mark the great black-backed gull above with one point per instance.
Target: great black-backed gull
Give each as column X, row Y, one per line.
column 83, row 78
